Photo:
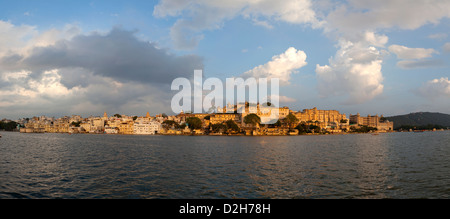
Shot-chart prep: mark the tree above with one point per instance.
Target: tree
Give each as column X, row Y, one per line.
column 219, row 127
column 231, row 125
column 76, row 124
column 291, row 120
column 252, row 119
column 194, row 123
column 277, row 124
column 117, row 115
column 314, row 128
column 9, row 126
column 170, row 124
column 302, row 128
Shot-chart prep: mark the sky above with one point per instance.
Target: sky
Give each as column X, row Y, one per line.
column 61, row 57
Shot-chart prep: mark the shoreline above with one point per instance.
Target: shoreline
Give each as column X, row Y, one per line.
column 244, row 135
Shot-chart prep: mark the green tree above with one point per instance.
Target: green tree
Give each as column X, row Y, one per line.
column 219, row 127
column 76, row 124
column 170, row 124
column 117, row 115
column 8, row 126
column 194, row 123
column 252, row 119
column 231, row 125
column 277, row 124
column 302, row 128
column 314, row 128
column 291, row 120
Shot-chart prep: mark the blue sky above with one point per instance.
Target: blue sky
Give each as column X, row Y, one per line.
column 371, row 57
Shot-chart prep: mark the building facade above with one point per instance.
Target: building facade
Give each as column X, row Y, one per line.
column 329, row 119
column 372, row 121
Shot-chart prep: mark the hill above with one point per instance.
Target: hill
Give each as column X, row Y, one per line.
column 420, row 119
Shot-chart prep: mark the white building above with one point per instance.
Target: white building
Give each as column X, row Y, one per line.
column 146, row 128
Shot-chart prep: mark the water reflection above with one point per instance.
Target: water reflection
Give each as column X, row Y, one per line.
column 398, row 165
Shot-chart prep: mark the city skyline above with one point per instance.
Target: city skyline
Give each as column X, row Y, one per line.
column 85, row 57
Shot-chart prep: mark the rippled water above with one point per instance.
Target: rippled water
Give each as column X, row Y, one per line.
column 395, row 165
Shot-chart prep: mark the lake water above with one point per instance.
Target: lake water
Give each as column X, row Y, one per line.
column 392, row 165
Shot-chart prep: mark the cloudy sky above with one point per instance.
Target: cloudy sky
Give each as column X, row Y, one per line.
column 61, row 57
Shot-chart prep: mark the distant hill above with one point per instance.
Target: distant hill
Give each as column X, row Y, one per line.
column 421, row 119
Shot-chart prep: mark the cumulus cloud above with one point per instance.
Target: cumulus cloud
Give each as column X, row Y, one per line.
column 13, row 38
column 446, row 47
column 438, row 36
column 118, row 54
column 57, row 71
column 410, row 64
column 404, row 52
column 199, row 15
column 281, row 66
column 382, row 14
column 355, row 70
column 285, row 99
column 436, row 88
column 19, row 40
column 415, row 57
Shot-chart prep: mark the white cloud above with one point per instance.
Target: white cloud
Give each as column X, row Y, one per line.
column 199, row 15
column 14, row 38
column 21, row 39
column 404, row 52
column 54, row 71
column 415, row 57
column 446, row 47
column 438, row 36
column 427, row 63
column 262, row 23
column 280, row 98
column 281, row 66
column 355, row 71
column 285, row 99
column 436, row 88
column 374, row 15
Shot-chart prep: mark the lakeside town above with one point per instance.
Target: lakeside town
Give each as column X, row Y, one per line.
column 224, row 121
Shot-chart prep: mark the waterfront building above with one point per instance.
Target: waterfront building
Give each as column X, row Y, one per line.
column 98, row 125
column 146, row 128
column 86, row 127
column 372, row 121
column 223, row 117
column 111, row 130
column 75, row 119
column 328, row 119
column 264, row 112
column 126, row 128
